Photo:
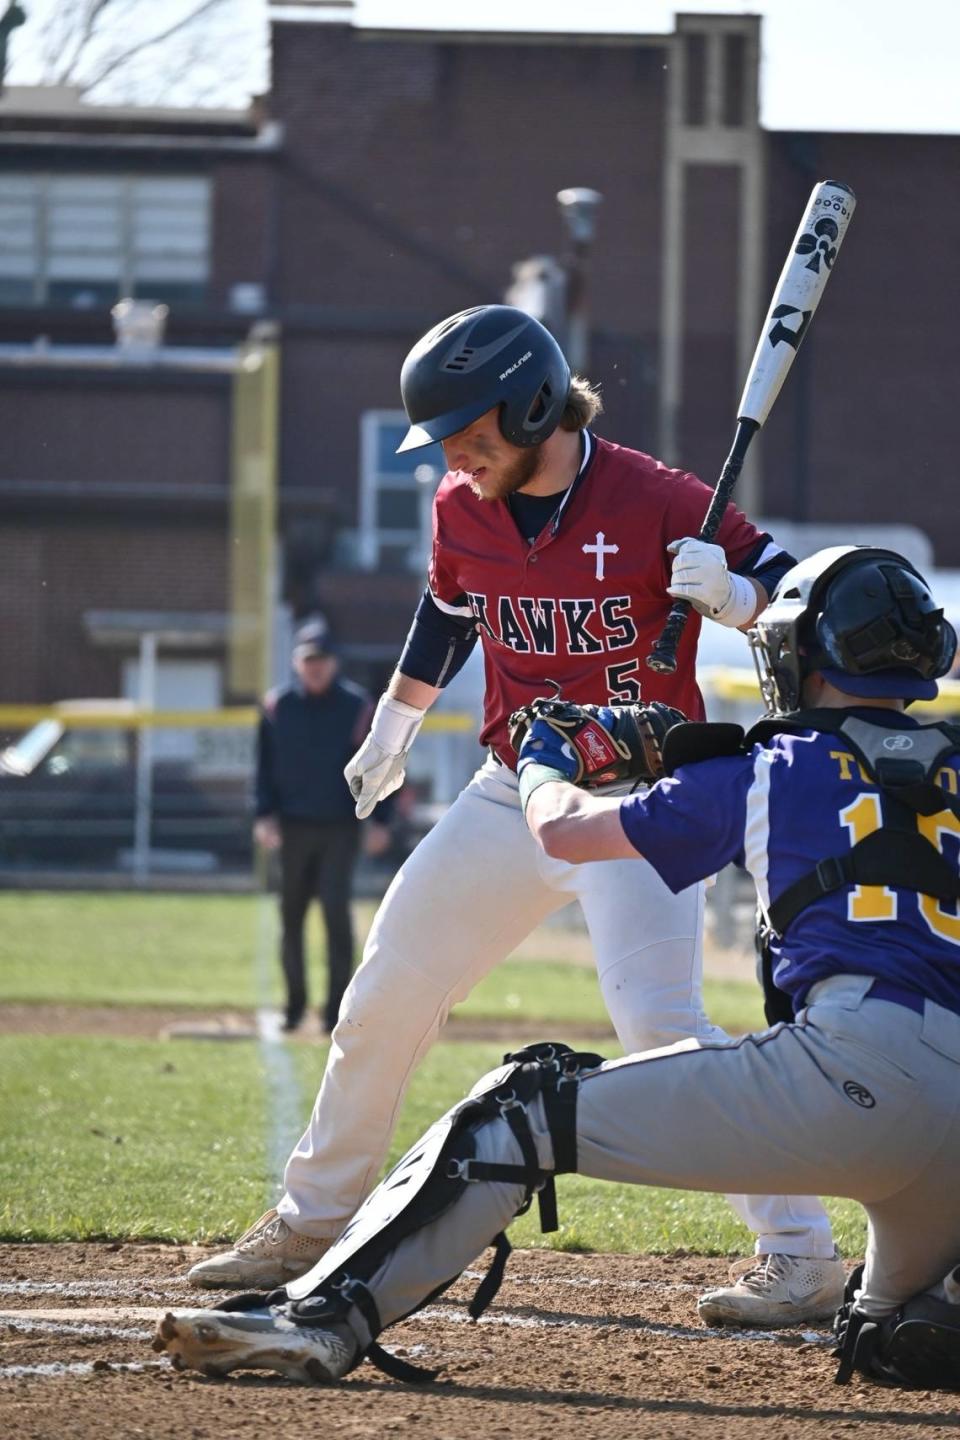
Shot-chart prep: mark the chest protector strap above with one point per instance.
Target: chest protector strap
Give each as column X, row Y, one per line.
column 904, row 765
column 896, row 854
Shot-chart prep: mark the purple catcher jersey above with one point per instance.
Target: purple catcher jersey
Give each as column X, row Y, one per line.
column 778, row 811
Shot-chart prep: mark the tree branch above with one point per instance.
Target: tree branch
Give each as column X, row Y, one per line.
column 94, row 10
column 120, row 57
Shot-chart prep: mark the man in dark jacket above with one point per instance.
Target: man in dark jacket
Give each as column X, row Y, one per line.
column 304, row 809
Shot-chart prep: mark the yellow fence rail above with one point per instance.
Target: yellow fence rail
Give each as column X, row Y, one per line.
column 731, row 683
column 723, row 682
column 130, row 717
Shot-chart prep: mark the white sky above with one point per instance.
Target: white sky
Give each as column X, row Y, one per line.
column 889, row 65
column 827, row 64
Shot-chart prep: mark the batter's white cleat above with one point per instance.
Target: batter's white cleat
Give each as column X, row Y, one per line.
column 218, row 1341
column 771, row 1291
column 267, row 1255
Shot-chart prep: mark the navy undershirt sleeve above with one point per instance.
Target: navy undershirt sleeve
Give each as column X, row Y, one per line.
column 768, row 572
column 438, row 644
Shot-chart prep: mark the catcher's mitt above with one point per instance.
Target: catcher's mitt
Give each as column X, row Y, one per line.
column 593, row 745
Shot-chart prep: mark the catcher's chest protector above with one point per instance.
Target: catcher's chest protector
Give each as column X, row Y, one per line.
column 893, row 854
column 430, row 1178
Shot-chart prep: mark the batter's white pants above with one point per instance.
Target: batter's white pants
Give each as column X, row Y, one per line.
column 859, row 1098
column 470, row 892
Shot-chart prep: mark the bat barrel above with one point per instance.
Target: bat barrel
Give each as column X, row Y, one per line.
column 807, row 269
column 808, row 266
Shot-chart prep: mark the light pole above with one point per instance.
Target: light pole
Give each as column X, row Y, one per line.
column 578, row 210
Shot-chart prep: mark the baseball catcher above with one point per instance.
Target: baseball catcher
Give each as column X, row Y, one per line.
column 844, row 811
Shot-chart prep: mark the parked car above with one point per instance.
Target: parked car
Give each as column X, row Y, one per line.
column 69, row 797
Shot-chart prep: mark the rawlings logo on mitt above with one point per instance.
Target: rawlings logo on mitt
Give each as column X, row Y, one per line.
column 593, row 745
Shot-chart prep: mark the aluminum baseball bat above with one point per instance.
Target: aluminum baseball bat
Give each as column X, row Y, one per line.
column 802, row 281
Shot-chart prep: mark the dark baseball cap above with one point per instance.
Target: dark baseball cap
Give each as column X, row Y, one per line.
column 313, row 638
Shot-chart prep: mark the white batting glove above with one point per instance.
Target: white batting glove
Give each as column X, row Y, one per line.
column 700, row 575
column 378, row 767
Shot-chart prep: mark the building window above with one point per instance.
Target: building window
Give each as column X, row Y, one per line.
column 396, row 495
column 85, row 240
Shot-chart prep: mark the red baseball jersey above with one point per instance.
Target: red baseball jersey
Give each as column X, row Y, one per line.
column 586, row 602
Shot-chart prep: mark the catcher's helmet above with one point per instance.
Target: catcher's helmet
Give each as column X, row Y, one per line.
column 490, row 355
column 864, row 618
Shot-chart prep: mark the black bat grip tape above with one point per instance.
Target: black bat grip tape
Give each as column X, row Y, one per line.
column 663, row 656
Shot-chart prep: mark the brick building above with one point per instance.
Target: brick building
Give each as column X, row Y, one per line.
column 390, row 178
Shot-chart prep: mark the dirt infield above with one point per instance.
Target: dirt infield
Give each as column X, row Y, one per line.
column 575, row 1346
column 156, row 1022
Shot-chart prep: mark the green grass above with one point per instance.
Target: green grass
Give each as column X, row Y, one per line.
column 130, row 949
column 119, row 1138
column 200, row 951
column 540, row 991
column 168, row 1140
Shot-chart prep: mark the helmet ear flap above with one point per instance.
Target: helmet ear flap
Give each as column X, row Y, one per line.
column 948, row 649
column 541, row 404
column 529, row 424
column 827, row 644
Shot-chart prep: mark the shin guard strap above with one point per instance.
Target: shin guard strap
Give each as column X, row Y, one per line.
column 398, row 1369
column 493, row 1279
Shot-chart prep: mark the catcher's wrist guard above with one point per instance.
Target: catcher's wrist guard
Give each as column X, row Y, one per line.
column 531, row 776
column 590, row 745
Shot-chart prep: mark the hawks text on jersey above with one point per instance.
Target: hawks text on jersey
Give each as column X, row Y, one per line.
column 583, row 605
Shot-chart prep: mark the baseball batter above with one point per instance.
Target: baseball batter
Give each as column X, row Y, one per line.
column 560, row 552
column 845, row 813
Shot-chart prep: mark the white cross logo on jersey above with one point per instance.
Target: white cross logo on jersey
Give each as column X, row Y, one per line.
column 600, row 550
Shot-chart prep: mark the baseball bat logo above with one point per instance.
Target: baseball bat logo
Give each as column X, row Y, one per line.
column 820, row 245
column 790, row 326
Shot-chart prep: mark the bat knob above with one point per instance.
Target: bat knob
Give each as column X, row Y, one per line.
column 662, row 661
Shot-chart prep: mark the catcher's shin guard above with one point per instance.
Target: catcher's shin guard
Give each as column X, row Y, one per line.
column 427, row 1183
column 917, row 1347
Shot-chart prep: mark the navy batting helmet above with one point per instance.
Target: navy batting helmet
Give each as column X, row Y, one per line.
column 490, row 355
column 864, row 618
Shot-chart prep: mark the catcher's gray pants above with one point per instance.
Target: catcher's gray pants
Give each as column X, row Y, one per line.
column 859, row 1098
column 469, row 893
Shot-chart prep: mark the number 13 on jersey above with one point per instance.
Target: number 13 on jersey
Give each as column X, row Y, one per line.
column 877, row 902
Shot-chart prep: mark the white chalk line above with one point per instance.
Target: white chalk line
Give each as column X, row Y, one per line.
column 635, row 1327
column 58, row 1369
column 284, row 1118
column 93, row 1288
column 594, row 1282
column 78, row 1330
column 457, row 1316
column 106, row 1288
column 32, row 1326
column 120, row 1287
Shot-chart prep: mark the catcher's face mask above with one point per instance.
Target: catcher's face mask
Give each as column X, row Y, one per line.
column 861, row 616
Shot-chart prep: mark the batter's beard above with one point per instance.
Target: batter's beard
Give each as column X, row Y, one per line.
column 517, row 474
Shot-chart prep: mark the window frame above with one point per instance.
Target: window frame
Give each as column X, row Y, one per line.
column 131, row 260
column 373, row 538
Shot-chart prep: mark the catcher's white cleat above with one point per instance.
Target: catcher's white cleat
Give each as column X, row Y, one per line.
column 218, row 1341
column 267, row 1255
column 771, row 1291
